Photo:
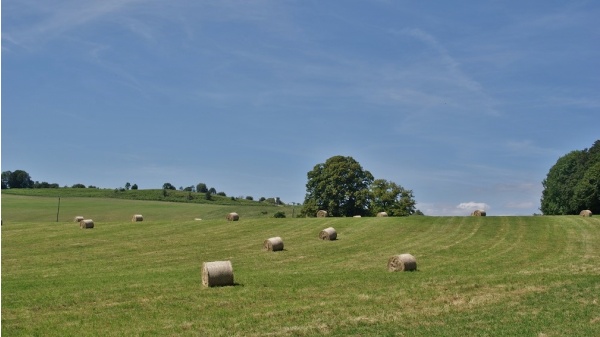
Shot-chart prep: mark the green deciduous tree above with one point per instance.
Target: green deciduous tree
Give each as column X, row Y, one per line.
column 573, row 183
column 16, row 179
column 340, row 186
column 5, row 176
column 389, row 197
column 168, row 186
column 201, row 188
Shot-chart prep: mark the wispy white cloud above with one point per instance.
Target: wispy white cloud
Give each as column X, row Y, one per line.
column 453, row 82
column 445, row 209
column 55, row 19
column 471, row 206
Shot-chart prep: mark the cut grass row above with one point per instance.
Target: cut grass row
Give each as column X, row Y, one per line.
column 477, row 276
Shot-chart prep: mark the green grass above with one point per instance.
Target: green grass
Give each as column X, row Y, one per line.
column 477, row 276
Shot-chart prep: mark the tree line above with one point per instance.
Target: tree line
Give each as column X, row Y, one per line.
column 22, row 179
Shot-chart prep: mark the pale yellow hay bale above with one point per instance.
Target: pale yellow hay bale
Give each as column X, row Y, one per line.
column 273, row 244
column 321, row 214
column 217, row 273
column 479, row 213
column 328, row 234
column 382, row 214
column 78, row 218
column 137, row 217
column 233, row 216
column 585, row 212
column 86, row 223
column 402, row 262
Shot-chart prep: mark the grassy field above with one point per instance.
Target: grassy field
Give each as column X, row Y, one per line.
column 477, row 276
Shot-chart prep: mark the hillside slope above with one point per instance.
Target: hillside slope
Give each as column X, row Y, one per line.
column 477, row 276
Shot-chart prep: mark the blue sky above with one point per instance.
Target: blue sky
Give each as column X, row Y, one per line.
column 466, row 103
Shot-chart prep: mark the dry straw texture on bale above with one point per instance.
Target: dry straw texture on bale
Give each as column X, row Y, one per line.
column 328, row 234
column 382, row 214
column 273, row 244
column 402, row 262
column 321, row 214
column 87, row 223
column 233, row 216
column 217, row 273
column 137, row 217
column 585, row 212
column 478, row 213
column 78, row 218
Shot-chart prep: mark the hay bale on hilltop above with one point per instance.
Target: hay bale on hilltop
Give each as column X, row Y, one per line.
column 328, row 234
column 321, row 214
column 478, row 213
column 382, row 214
column 402, row 262
column 273, row 244
column 137, row 217
column 78, row 218
column 233, row 216
column 217, row 274
column 86, row 223
column 586, row 213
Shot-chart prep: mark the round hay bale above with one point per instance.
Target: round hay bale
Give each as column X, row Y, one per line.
column 357, row 216
column 78, row 218
column 328, row 234
column 217, row 274
column 137, row 217
column 402, row 262
column 478, row 213
column 273, row 244
column 382, row 214
column 233, row 216
column 321, row 214
column 87, row 223
column 585, row 212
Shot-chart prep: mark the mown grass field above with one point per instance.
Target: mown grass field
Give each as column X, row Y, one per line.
column 477, row 276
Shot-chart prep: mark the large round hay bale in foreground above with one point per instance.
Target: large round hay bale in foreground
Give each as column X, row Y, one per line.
column 328, row 234
column 321, row 214
column 86, row 223
column 78, row 218
column 273, row 244
column 585, row 212
column 402, row 262
column 217, row 274
column 233, row 216
column 382, row 214
column 478, row 213
column 137, row 217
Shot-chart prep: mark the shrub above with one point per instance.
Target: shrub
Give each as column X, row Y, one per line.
column 279, row 214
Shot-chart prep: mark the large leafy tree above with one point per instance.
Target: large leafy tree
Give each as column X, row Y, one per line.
column 16, row 179
column 340, row 186
column 201, row 188
column 5, row 176
column 389, row 197
column 573, row 183
column 168, row 186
